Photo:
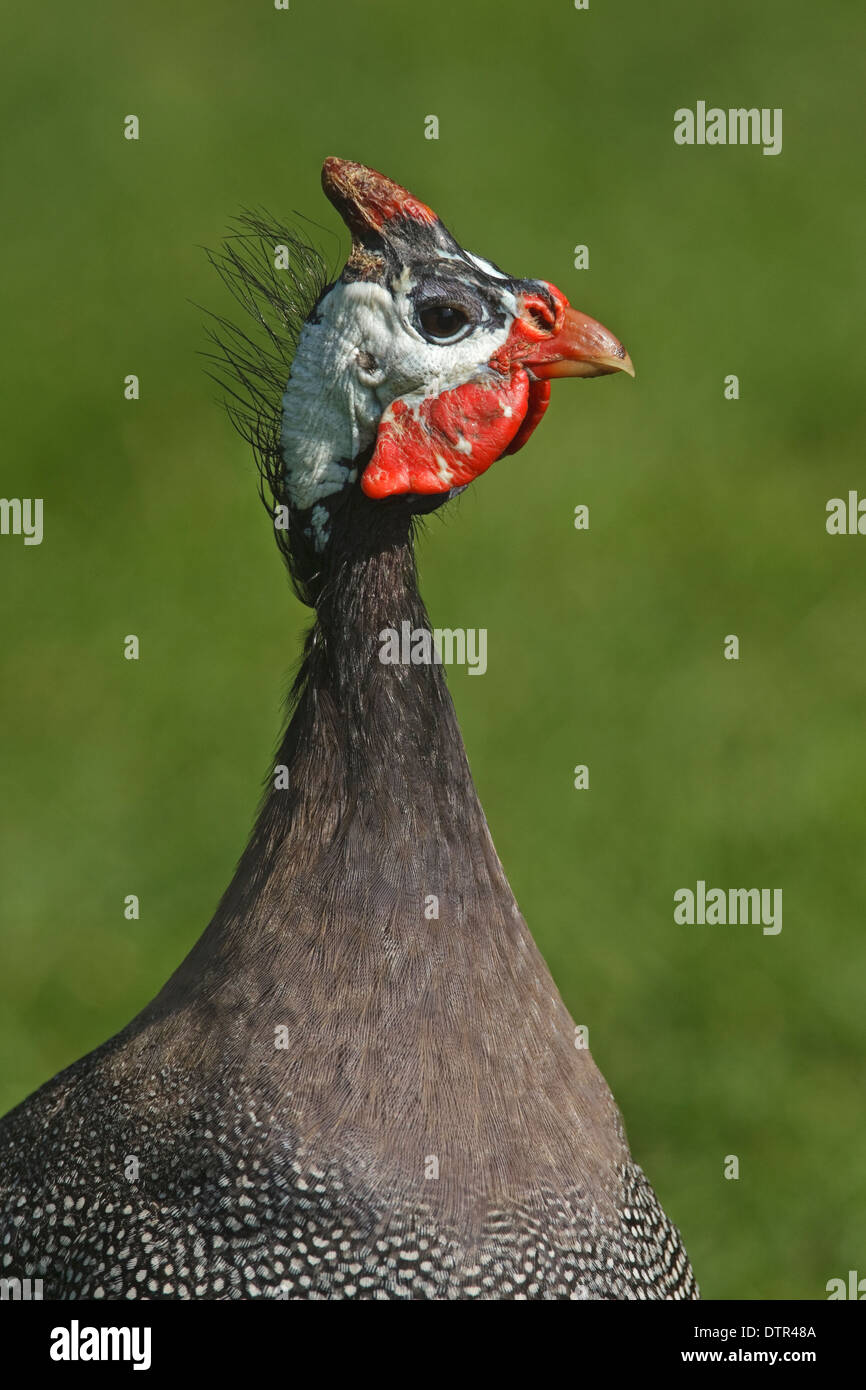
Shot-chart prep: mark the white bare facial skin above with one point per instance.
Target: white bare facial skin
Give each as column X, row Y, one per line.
column 361, row 355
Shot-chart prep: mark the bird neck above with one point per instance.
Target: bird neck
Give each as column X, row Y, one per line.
column 371, row 922
column 371, row 739
column 371, row 831
column 371, row 815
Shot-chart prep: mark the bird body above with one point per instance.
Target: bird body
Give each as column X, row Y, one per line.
column 362, row 1081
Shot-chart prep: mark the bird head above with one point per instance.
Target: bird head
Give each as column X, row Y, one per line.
column 423, row 363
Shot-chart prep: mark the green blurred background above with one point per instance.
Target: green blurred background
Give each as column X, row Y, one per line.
column 605, row 646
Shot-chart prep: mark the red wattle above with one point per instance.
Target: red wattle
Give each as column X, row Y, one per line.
column 439, row 442
column 539, row 399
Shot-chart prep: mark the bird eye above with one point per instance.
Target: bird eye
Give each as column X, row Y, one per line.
column 443, row 321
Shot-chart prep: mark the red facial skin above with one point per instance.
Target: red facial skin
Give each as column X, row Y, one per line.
column 539, row 400
column 446, row 441
column 527, row 331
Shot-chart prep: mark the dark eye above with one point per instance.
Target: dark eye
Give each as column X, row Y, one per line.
column 443, row 321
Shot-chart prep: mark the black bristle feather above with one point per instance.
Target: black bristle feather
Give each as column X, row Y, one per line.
column 251, row 363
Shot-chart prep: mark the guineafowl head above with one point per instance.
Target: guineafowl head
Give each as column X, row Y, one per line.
column 412, row 372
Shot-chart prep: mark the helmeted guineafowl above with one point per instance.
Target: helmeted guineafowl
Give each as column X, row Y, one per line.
column 362, row 1081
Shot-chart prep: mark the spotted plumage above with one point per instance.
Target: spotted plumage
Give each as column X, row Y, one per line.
column 227, row 1213
column 362, row 1081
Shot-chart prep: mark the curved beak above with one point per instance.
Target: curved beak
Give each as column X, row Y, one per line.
column 581, row 347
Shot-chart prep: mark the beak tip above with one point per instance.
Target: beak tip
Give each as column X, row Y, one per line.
column 616, row 362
